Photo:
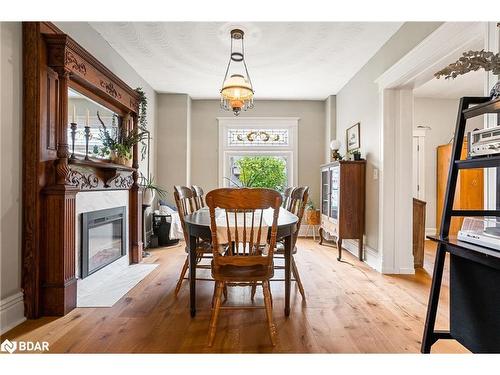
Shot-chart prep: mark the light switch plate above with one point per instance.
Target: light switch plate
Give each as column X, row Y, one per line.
column 375, row 173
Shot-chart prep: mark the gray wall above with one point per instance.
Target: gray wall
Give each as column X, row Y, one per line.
column 330, row 124
column 358, row 101
column 173, row 145
column 311, row 138
column 11, row 131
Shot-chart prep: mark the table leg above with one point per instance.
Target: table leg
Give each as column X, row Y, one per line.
column 192, row 275
column 288, row 262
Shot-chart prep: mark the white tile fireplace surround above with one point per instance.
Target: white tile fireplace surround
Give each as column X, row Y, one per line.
column 94, row 201
column 107, row 285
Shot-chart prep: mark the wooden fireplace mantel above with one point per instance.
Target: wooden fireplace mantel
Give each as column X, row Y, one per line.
column 52, row 63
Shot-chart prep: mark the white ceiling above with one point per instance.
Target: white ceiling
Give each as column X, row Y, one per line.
column 293, row 60
column 470, row 84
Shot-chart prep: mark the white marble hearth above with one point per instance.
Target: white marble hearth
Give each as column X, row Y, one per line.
column 105, row 287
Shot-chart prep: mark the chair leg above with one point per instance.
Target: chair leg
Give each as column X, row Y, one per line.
column 254, row 289
column 181, row 277
column 269, row 312
column 295, row 272
column 215, row 313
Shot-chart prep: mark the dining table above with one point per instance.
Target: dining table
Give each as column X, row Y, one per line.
column 198, row 227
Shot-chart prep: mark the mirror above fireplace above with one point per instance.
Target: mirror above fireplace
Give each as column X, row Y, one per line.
column 83, row 111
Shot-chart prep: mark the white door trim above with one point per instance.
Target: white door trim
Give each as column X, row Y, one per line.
column 420, row 134
column 396, row 100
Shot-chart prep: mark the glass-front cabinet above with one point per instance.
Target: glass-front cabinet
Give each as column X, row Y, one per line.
column 325, row 191
column 335, row 192
column 343, row 202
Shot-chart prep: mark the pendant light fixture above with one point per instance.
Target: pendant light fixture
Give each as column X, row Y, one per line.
column 237, row 91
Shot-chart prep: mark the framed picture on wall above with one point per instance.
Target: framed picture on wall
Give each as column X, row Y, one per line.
column 352, row 137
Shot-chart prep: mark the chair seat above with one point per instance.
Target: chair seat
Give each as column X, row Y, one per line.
column 240, row 273
column 280, row 248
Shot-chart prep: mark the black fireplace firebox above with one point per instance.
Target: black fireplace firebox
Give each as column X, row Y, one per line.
column 103, row 239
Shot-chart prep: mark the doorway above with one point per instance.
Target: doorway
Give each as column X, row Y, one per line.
column 396, row 87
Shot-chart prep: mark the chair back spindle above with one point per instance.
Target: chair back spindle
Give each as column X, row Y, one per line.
column 184, row 200
column 244, row 220
column 286, row 197
column 199, row 196
column 297, row 205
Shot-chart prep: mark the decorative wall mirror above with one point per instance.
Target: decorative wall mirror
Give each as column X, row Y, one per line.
column 82, row 112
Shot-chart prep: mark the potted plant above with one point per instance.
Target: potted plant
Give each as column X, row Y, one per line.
column 118, row 144
column 150, row 189
column 356, row 154
column 473, row 61
column 311, row 214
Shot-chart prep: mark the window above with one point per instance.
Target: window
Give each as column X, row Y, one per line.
column 262, row 141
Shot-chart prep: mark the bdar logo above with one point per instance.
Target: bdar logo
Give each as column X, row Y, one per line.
column 8, row 346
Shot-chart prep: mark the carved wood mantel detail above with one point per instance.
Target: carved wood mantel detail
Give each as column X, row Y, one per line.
column 77, row 66
column 53, row 62
column 110, row 89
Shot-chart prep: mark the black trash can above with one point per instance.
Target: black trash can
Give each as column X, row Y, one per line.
column 161, row 229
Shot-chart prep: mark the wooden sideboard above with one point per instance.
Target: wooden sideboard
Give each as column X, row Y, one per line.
column 343, row 202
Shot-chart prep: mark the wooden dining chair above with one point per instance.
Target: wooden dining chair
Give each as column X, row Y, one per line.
column 249, row 256
column 297, row 205
column 199, row 199
column 286, row 197
column 184, row 200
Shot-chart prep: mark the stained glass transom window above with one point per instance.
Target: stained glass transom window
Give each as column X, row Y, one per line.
column 257, row 137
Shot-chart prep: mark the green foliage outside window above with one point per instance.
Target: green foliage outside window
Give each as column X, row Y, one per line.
column 262, row 171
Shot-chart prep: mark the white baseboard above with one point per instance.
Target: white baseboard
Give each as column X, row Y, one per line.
column 430, row 231
column 371, row 255
column 11, row 312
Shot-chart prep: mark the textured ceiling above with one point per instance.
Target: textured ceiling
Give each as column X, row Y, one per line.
column 294, row 60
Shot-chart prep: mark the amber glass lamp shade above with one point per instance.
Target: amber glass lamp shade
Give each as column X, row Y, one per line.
column 236, row 94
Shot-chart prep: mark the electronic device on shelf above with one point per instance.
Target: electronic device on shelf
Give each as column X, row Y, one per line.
column 484, row 142
column 481, row 231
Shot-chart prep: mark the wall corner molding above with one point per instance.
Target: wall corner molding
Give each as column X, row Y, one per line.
column 11, row 312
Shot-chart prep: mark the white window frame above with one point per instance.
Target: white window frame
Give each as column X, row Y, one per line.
column 290, row 151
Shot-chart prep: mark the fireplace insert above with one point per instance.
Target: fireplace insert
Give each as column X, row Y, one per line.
column 103, row 239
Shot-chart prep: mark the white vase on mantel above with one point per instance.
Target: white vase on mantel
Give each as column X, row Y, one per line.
column 147, row 197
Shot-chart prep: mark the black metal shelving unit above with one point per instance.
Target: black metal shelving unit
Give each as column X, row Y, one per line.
column 474, row 270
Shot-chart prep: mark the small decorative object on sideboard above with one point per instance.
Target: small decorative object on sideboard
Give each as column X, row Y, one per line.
column 356, row 155
column 473, row 61
column 353, row 137
column 335, row 147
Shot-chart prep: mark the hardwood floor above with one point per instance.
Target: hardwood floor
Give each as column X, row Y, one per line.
column 350, row 309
